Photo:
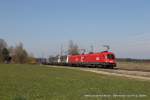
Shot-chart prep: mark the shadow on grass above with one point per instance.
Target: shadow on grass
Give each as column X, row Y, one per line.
column 19, row 97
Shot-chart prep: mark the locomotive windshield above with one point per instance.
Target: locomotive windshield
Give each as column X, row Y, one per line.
column 110, row 56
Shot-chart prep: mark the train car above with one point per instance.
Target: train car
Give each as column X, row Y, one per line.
column 102, row 59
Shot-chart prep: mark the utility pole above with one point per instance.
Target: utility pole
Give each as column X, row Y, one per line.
column 61, row 50
column 92, row 48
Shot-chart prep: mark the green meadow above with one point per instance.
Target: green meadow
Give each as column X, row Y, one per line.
column 35, row 82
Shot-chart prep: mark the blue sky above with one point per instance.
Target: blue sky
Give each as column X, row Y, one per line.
column 44, row 25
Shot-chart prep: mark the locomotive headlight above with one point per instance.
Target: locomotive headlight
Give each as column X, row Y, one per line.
column 97, row 58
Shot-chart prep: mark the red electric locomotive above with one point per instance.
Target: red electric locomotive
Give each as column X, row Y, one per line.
column 102, row 59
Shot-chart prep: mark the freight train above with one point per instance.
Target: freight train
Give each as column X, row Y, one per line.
column 103, row 59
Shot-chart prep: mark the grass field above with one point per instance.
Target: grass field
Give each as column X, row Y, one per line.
column 145, row 66
column 35, row 82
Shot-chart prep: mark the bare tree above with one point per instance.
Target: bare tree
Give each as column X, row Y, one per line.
column 5, row 55
column 73, row 48
column 20, row 55
column 3, row 45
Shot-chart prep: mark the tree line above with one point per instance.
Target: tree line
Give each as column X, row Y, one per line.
column 16, row 54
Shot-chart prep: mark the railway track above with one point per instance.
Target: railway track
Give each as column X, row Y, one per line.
column 122, row 73
column 140, row 70
column 136, row 74
column 126, row 71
